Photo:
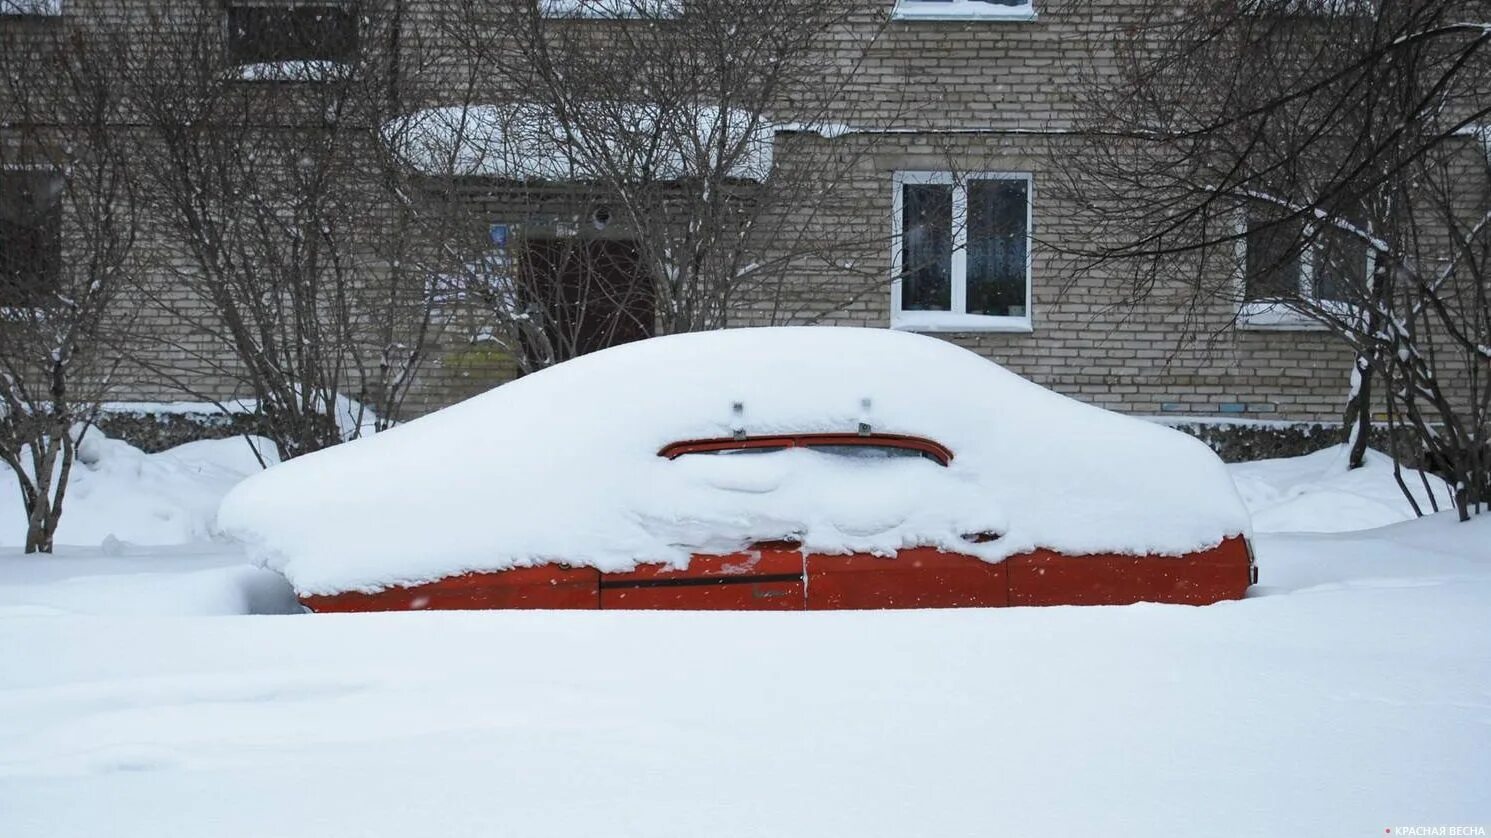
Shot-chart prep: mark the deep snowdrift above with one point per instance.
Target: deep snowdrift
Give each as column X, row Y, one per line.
column 1318, row 493
column 562, row 466
column 117, row 492
column 125, row 580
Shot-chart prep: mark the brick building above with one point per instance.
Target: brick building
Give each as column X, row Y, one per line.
column 953, row 121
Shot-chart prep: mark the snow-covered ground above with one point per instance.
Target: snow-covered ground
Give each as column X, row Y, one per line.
column 145, row 691
column 1318, row 493
column 119, row 493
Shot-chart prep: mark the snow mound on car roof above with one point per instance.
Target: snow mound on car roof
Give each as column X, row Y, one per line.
column 563, row 466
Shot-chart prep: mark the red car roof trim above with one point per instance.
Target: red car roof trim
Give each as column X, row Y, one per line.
column 936, row 450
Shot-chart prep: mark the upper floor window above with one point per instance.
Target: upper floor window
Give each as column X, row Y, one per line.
column 291, row 36
column 1285, row 259
column 30, row 8
column 30, row 234
column 961, row 257
column 964, row 10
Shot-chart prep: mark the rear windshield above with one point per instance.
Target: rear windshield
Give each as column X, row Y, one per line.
column 759, row 449
column 873, row 452
column 882, row 447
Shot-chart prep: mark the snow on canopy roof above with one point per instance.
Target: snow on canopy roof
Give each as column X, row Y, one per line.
column 48, row 8
column 562, row 466
column 528, row 141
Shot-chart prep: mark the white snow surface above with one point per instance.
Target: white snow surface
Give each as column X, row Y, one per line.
column 1318, row 493
column 144, row 692
column 563, row 466
column 126, row 580
column 1347, row 696
column 118, row 493
column 961, row 10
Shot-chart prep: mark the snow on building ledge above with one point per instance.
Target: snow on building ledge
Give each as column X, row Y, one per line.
column 963, row 10
column 1275, row 316
column 292, row 71
column 612, row 9
column 31, row 8
column 528, row 141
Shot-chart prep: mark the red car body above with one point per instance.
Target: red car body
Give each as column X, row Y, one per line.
column 779, row 576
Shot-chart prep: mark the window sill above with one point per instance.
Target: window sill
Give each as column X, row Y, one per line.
column 945, row 321
column 961, row 10
column 1275, row 317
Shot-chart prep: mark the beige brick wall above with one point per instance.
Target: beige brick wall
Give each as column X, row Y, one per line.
column 1087, row 341
column 963, row 95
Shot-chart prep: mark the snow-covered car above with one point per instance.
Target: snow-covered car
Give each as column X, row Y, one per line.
column 773, row 468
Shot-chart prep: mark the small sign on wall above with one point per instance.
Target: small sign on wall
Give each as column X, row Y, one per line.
column 498, row 233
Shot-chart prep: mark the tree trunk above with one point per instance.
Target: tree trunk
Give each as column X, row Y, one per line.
column 39, row 527
column 1358, row 418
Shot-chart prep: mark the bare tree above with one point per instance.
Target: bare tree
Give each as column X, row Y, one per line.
column 1313, row 159
column 301, row 246
column 62, row 178
column 631, row 144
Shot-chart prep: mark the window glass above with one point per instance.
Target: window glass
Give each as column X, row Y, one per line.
column 997, row 247
column 926, row 247
column 269, row 34
column 1340, row 268
column 759, row 449
column 965, row 252
column 1273, row 258
column 872, row 452
column 30, row 234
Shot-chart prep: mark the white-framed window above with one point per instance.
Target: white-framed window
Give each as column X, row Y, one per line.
column 964, row 10
column 1285, row 261
column 961, row 247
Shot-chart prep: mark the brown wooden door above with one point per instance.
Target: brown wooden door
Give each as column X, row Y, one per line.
column 590, row 293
